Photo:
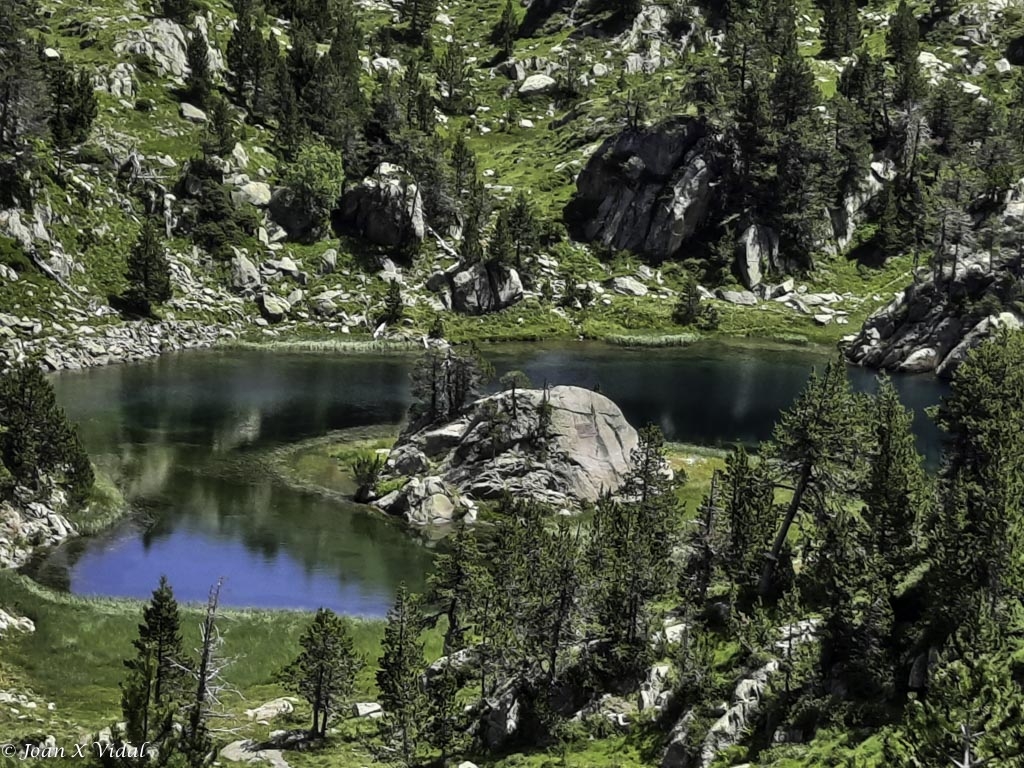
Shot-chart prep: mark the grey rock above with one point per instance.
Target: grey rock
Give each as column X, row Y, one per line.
column 646, row 191
column 484, row 287
column 243, row 273
column 192, row 114
column 255, row 193
column 162, row 41
column 502, row 720
column 923, row 325
column 386, row 208
column 586, row 451
column 536, row 84
column 744, row 298
column 367, row 709
column 328, row 261
column 627, row 286
column 273, row 308
column 287, row 211
column 756, row 249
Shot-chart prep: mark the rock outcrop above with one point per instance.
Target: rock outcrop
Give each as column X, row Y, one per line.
column 740, row 713
column 386, row 209
column 497, row 446
column 756, row 250
column 933, row 324
column 646, row 191
column 485, row 287
column 28, row 522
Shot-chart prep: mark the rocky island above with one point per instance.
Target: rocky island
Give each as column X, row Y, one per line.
column 561, row 447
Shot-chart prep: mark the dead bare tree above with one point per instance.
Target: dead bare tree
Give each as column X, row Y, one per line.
column 210, row 686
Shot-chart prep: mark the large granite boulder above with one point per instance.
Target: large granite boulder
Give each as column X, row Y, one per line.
column 756, row 250
column 386, row 209
column 647, row 191
column 498, row 445
column 933, row 324
column 165, row 43
column 243, row 275
column 288, row 211
column 484, row 287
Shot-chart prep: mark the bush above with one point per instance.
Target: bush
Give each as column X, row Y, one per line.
column 39, row 445
column 316, row 177
column 14, row 256
column 366, row 471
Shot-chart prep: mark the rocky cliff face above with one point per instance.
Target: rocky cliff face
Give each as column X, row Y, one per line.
column 934, row 323
column 501, row 444
column 646, row 191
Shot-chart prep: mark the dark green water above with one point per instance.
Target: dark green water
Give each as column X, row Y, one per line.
column 182, row 435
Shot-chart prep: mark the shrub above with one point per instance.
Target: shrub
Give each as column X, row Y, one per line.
column 14, row 256
column 366, row 471
column 315, row 176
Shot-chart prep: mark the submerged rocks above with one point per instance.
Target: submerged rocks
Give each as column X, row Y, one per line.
column 583, row 451
column 647, row 191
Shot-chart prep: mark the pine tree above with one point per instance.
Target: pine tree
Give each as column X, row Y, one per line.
column 704, row 544
column 896, row 494
column 903, row 43
column 747, row 499
column 333, row 102
column 300, row 62
column 500, row 248
column 152, row 691
column 39, row 444
column 557, row 611
column 444, row 715
column 419, row 15
column 632, row 541
column 196, row 743
column 453, row 77
column 242, row 51
column 23, row 91
column 506, row 31
column 394, row 306
column 291, row 128
column 398, row 677
column 794, row 92
column 452, row 585
column 199, row 83
column 324, row 672
column 265, row 69
column 981, row 525
column 970, row 717
column 149, row 273
column 841, row 30
column 815, row 449
column 181, row 11
column 522, row 227
column 220, row 136
column 74, row 105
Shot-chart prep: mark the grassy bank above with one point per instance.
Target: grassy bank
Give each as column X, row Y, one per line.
column 75, row 660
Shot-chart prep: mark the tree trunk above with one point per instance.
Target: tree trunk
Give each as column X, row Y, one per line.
column 771, row 558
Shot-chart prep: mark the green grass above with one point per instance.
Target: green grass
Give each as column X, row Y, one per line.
column 105, row 506
column 74, row 657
